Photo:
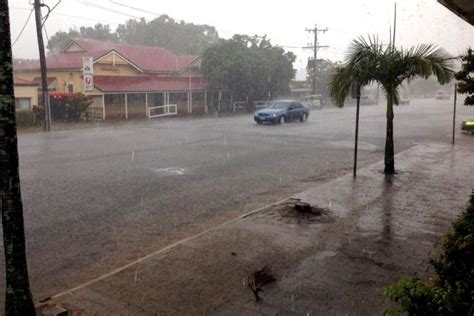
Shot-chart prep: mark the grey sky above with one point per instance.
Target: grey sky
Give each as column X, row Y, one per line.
column 419, row 21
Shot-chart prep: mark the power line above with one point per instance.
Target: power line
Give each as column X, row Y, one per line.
column 121, row 13
column 158, row 15
column 94, row 5
column 49, row 10
column 54, row 53
column 133, row 8
column 23, row 28
column 73, row 16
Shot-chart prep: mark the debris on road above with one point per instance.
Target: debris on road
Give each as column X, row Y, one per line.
column 306, row 208
column 258, row 279
column 297, row 212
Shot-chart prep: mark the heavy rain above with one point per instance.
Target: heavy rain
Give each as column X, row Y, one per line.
column 240, row 158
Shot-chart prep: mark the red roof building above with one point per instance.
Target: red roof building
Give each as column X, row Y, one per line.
column 127, row 80
column 22, row 82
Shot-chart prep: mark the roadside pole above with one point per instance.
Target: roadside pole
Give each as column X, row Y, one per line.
column 315, row 48
column 42, row 57
column 454, row 113
column 356, row 94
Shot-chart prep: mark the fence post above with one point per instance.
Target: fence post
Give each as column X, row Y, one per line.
column 146, row 105
column 126, row 106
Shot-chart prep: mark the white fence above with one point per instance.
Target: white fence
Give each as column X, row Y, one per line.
column 239, row 105
column 260, row 104
column 96, row 113
column 167, row 110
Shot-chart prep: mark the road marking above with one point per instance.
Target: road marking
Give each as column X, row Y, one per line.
column 159, row 251
column 170, row 171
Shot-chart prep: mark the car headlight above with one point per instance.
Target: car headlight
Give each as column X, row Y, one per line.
column 274, row 115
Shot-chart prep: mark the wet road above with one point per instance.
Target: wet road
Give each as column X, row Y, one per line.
column 97, row 198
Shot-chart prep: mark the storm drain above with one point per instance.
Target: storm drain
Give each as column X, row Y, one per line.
column 295, row 211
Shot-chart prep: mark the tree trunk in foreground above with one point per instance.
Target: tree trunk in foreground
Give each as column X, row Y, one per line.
column 19, row 300
column 389, row 151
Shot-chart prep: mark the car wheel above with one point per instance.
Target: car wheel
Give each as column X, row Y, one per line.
column 282, row 120
column 304, row 117
column 259, row 122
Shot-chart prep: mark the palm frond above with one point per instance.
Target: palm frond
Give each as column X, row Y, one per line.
column 426, row 60
column 360, row 65
column 367, row 61
column 340, row 84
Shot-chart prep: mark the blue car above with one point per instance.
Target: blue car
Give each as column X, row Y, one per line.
column 280, row 112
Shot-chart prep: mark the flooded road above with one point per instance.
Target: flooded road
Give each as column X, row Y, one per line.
column 95, row 199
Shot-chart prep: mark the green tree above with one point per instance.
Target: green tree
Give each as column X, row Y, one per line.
column 163, row 31
column 251, row 67
column 368, row 61
column 99, row 32
column 18, row 300
column 466, row 84
column 324, row 69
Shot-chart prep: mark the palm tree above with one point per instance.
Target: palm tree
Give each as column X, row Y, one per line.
column 18, row 300
column 368, row 62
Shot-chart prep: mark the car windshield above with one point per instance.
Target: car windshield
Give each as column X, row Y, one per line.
column 280, row 105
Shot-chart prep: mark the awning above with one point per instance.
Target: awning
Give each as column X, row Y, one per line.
column 144, row 84
column 462, row 8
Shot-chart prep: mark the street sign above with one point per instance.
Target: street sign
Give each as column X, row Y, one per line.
column 88, row 83
column 355, row 90
column 88, row 73
column 87, row 65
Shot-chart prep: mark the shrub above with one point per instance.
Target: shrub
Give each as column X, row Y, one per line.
column 452, row 291
column 70, row 108
column 76, row 106
column 38, row 114
column 24, row 118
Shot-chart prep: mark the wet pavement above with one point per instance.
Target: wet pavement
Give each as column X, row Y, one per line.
column 381, row 229
column 96, row 199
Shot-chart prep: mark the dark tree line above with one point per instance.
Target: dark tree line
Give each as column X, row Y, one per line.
column 178, row 36
column 324, row 70
column 251, row 67
column 466, row 80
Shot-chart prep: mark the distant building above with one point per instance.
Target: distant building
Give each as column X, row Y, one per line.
column 299, row 88
column 127, row 80
column 26, row 94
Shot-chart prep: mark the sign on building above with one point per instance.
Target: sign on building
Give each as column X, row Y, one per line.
column 88, row 83
column 88, row 73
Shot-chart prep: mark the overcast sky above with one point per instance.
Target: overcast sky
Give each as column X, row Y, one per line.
column 419, row 21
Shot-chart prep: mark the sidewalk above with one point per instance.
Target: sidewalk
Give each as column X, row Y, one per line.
column 373, row 231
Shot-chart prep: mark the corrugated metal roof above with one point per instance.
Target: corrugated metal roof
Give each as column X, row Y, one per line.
column 151, row 59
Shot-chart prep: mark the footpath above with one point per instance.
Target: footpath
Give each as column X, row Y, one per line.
column 370, row 231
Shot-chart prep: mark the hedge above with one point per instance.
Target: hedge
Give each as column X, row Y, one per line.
column 451, row 290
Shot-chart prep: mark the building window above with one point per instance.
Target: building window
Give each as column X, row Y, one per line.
column 70, row 88
column 22, row 104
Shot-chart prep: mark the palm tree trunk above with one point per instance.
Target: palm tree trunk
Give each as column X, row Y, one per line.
column 18, row 299
column 389, row 151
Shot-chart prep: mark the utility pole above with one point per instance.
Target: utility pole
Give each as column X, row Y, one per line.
column 356, row 94
column 454, row 112
column 315, row 48
column 42, row 56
